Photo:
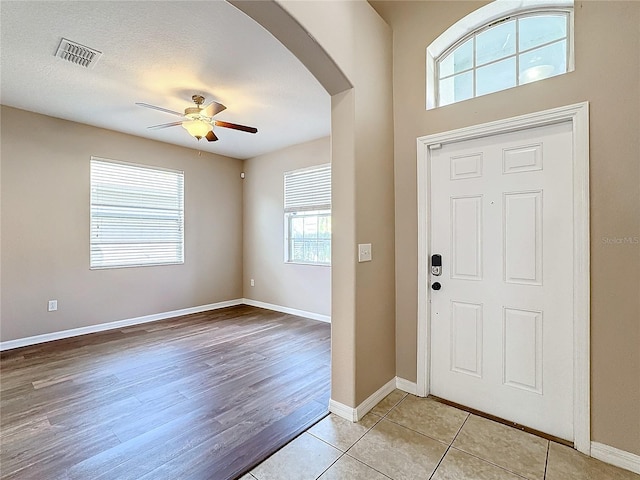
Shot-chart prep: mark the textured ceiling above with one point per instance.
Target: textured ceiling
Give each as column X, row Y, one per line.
column 160, row 53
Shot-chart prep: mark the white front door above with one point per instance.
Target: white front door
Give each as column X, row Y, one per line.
column 502, row 322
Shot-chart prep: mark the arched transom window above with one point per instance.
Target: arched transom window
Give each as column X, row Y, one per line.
column 513, row 50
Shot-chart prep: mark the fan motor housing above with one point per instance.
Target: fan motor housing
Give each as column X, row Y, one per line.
column 195, row 113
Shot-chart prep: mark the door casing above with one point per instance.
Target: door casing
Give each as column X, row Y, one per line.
column 578, row 114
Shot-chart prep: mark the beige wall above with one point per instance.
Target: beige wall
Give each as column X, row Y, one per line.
column 303, row 287
column 45, row 229
column 363, row 298
column 607, row 74
column 375, row 281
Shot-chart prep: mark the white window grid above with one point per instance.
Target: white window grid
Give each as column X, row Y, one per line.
column 517, row 54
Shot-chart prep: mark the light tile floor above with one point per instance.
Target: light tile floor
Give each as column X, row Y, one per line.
column 406, row 437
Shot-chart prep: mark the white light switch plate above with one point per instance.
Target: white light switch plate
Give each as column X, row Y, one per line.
column 364, row 252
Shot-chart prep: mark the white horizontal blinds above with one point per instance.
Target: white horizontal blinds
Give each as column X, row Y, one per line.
column 137, row 215
column 308, row 189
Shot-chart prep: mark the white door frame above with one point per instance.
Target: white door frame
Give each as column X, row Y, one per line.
column 578, row 114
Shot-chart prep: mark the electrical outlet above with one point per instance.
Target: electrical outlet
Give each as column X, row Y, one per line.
column 253, row 282
column 364, row 252
column 52, row 306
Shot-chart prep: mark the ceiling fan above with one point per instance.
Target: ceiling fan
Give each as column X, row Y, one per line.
column 198, row 120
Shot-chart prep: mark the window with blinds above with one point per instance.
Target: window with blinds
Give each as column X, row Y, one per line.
column 307, row 209
column 137, row 215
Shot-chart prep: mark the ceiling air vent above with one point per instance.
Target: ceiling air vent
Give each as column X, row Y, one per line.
column 79, row 54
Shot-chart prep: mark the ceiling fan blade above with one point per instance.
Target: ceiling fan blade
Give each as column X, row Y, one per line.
column 213, row 108
column 211, row 136
column 164, row 125
column 172, row 112
column 235, row 126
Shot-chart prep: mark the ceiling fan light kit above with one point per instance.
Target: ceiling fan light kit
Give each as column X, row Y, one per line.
column 197, row 128
column 198, row 120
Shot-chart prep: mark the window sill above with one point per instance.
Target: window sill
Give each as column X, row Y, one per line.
column 308, row 264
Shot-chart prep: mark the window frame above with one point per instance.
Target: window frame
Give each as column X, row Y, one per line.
column 310, row 208
column 178, row 213
column 484, row 19
column 289, row 216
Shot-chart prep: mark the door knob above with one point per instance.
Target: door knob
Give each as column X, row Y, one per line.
column 436, row 286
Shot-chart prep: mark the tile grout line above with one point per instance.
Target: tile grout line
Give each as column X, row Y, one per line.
column 460, row 429
column 392, row 407
column 473, row 455
column 422, row 433
column 440, row 462
column 334, row 446
column 372, row 468
column 380, row 418
column 411, row 429
column 502, row 421
column 449, row 447
column 332, row 464
column 546, row 460
column 342, row 453
column 490, row 463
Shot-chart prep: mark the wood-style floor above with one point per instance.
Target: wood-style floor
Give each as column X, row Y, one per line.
column 204, row 396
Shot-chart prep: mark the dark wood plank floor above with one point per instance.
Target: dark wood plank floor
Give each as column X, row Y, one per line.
column 204, row 396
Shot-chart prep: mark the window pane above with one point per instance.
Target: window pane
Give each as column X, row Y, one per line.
column 310, row 226
column 541, row 29
column 495, row 77
column 543, row 62
column 310, row 237
column 297, row 251
column 297, row 227
column 511, row 51
column 458, row 60
column 324, row 251
column 496, row 42
column 324, row 227
column 306, row 256
column 456, row 89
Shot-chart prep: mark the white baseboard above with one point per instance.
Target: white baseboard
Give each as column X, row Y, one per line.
column 341, row 410
column 614, row 456
column 74, row 332
column 407, row 386
column 375, row 398
column 355, row 414
column 291, row 311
